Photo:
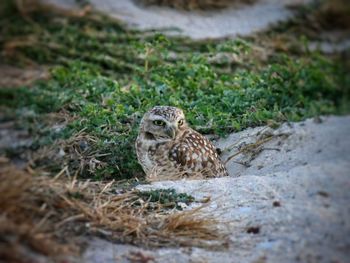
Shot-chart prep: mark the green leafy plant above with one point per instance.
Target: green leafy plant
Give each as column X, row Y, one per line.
column 104, row 78
column 166, row 197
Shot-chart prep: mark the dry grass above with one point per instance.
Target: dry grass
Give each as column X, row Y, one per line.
column 27, row 216
column 246, row 149
column 16, row 77
column 77, row 148
column 251, row 148
column 25, row 7
column 158, row 175
column 40, row 214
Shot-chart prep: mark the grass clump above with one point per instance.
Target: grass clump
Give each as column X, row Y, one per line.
column 44, row 215
column 167, row 197
column 104, row 77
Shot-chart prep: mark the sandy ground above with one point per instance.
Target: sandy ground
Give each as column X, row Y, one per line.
column 295, row 194
column 231, row 22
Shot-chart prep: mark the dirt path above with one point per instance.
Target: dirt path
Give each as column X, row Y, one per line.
column 231, row 22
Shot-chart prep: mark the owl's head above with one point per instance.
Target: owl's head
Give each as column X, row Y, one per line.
column 163, row 123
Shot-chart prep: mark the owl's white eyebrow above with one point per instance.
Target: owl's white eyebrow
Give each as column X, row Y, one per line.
column 157, row 118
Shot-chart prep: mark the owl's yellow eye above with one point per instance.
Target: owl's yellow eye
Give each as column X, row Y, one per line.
column 159, row 123
column 180, row 122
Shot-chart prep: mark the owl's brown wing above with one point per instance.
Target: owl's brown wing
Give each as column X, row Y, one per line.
column 196, row 154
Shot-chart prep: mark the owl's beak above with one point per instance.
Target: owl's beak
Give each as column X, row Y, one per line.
column 171, row 132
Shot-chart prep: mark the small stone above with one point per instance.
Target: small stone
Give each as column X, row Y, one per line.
column 276, row 203
column 61, row 153
column 253, row 230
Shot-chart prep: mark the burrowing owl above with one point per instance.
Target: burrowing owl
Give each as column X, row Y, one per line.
column 167, row 148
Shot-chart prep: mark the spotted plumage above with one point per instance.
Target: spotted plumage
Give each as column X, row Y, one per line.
column 167, row 148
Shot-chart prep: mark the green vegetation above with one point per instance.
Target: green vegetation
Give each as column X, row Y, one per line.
column 166, row 197
column 104, row 77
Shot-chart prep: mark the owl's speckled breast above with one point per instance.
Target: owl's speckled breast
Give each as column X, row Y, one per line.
column 152, row 154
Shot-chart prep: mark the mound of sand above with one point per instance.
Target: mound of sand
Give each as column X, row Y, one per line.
column 286, row 201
